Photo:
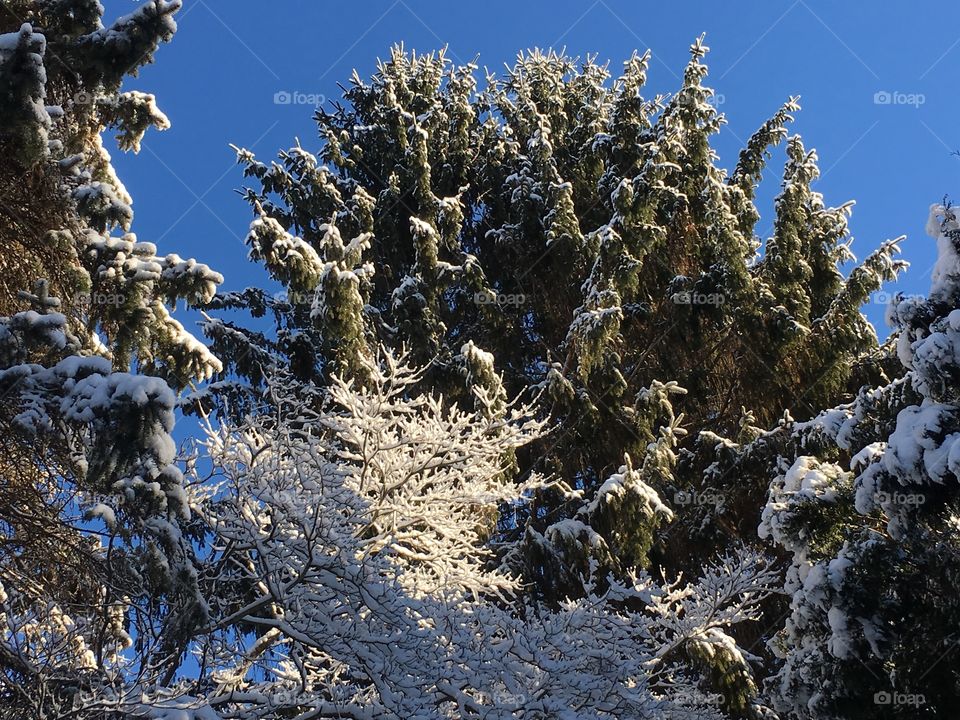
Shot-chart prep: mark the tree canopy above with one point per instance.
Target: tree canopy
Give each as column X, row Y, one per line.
column 538, row 426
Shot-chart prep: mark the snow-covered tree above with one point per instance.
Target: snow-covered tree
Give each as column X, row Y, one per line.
column 610, row 368
column 61, row 72
column 353, row 580
column 585, row 238
column 868, row 509
column 95, row 548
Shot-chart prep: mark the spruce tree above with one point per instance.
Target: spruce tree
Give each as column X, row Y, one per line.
column 587, row 239
column 96, row 525
column 867, row 510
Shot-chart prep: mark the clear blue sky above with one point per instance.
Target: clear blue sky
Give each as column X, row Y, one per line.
column 218, row 79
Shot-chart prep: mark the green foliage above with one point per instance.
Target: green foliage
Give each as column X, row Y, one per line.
column 94, row 521
column 868, row 512
column 584, row 237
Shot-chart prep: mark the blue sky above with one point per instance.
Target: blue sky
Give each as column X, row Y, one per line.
column 876, row 87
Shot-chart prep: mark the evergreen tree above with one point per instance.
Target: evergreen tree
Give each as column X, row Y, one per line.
column 868, row 511
column 96, row 554
column 585, row 238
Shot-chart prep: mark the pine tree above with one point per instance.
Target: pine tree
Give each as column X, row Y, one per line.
column 62, row 197
column 585, row 238
column 868, row 510
column 97, row 551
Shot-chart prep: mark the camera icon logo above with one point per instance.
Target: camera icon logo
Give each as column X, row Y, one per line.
column 882, row 698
